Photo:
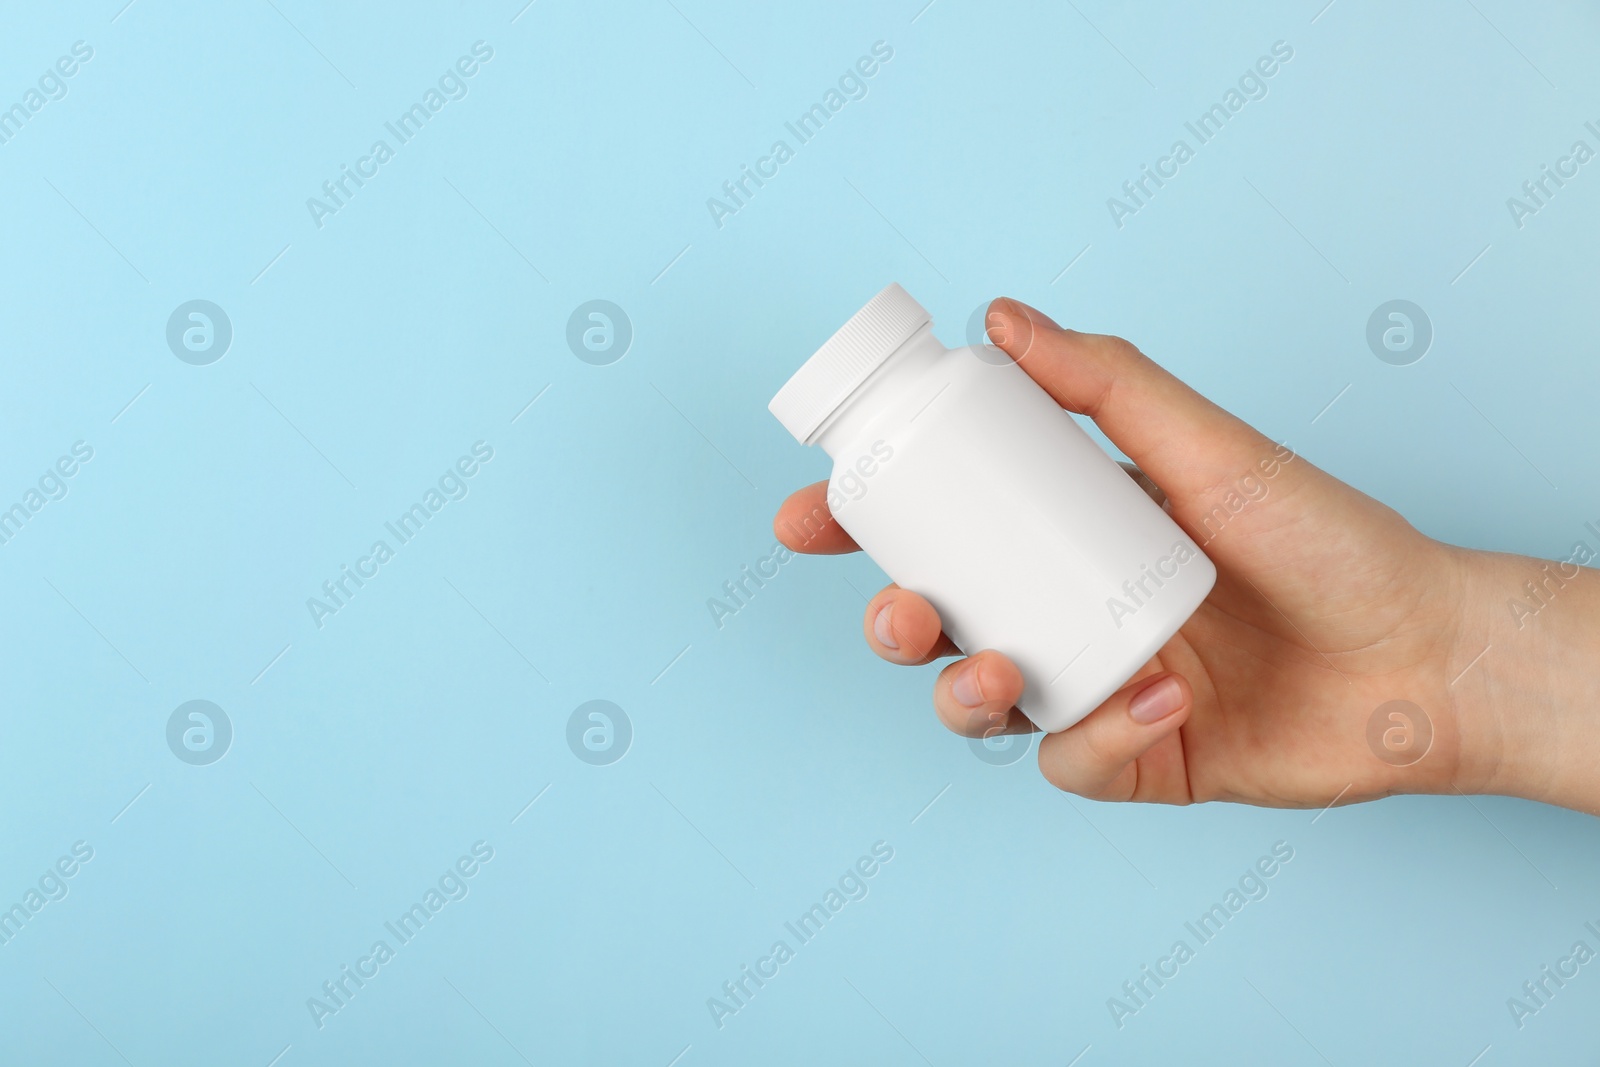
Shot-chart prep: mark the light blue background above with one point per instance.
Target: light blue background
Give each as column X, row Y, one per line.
column 770, row 754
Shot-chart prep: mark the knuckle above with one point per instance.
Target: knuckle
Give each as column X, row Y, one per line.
column 1100, row 752
column 1061, row 774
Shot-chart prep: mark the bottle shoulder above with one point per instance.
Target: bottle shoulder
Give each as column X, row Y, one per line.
column 913, row 402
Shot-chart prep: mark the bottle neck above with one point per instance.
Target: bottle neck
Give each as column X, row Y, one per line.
column 890, row 380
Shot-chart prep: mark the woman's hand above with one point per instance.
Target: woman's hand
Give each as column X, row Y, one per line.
column 1328, row 605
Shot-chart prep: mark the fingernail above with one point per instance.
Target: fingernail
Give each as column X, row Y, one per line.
column 1155, row 702
column 964, row 687
column 997, row 328
column 881, row 629
column 1023, row 309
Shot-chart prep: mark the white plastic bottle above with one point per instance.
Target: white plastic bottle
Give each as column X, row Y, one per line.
column 968, row 484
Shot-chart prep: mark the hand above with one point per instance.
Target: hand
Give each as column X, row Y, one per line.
column 1327, row 605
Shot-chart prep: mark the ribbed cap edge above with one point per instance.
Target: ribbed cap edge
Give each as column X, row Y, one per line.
column 836, row 369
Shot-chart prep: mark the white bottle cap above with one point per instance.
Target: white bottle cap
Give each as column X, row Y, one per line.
column 824, row 381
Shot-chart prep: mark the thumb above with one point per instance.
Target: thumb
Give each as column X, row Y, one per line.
column 1184, row 442
column 1291, row 529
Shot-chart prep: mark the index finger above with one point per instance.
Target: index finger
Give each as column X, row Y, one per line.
column 805, row 524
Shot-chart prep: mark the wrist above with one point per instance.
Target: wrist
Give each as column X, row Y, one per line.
column 1527, row 649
